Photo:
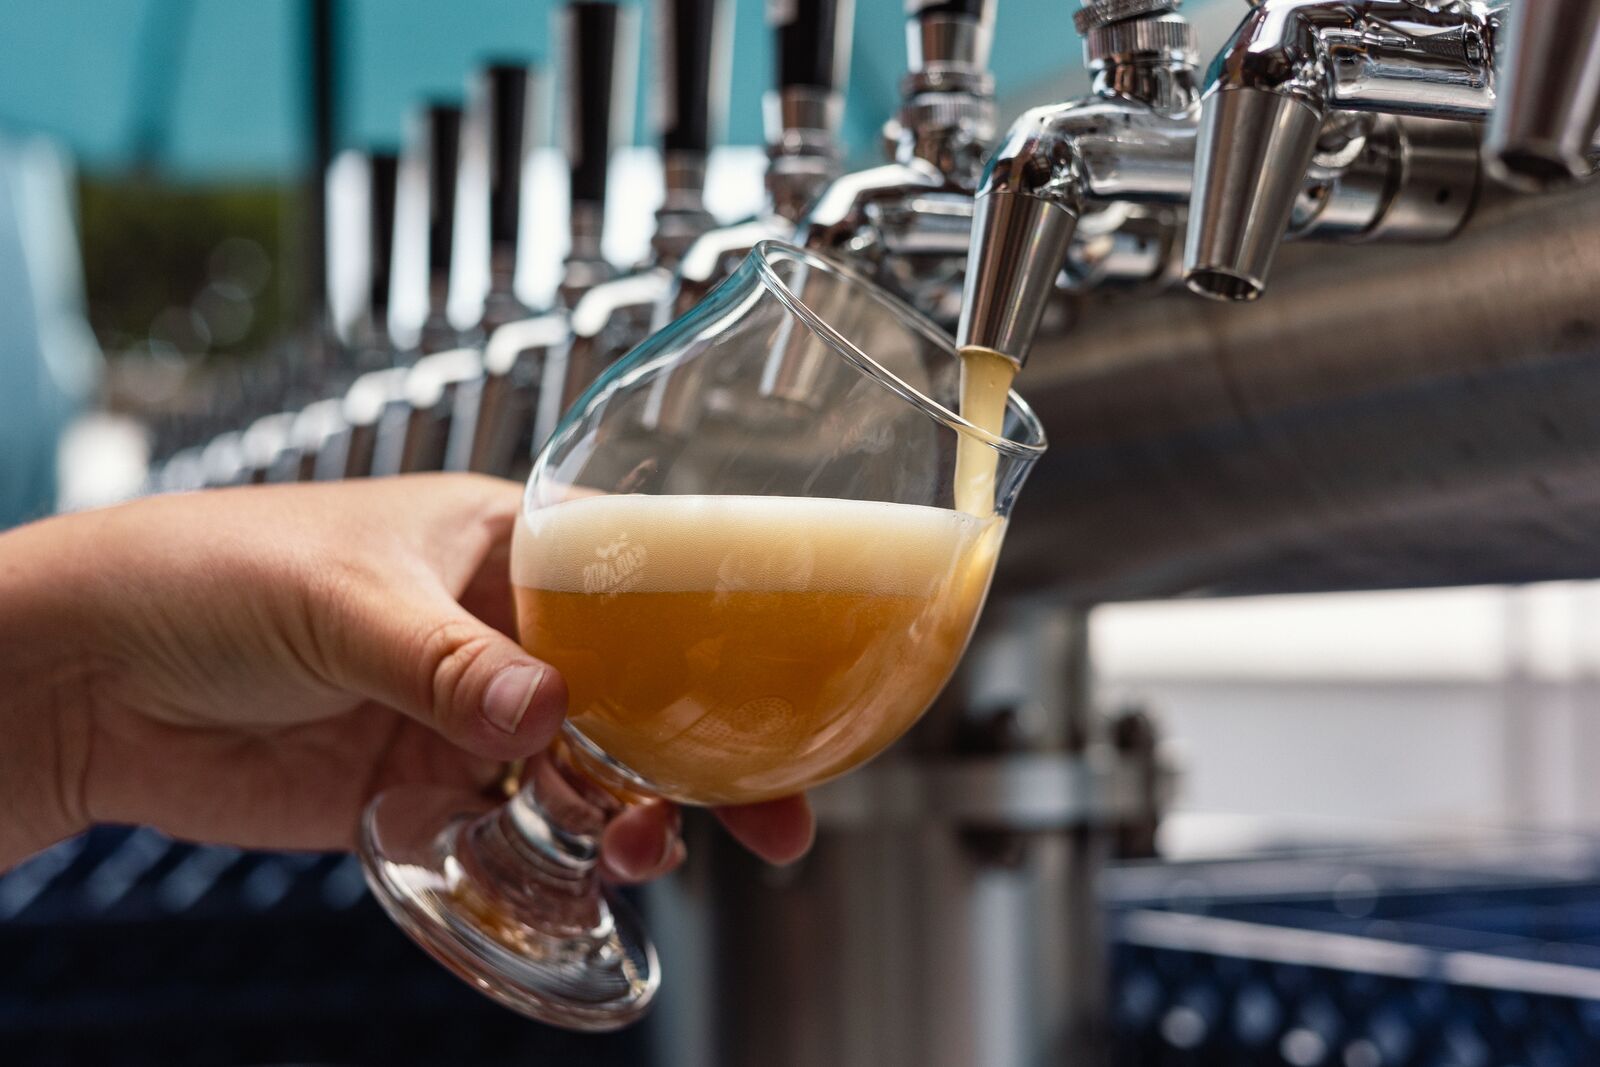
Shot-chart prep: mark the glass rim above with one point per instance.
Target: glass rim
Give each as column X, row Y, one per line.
column 761, row 255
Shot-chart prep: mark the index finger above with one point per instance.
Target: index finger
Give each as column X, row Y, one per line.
column 779, row 831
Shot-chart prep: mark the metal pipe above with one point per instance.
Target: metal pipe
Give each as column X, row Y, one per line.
column 1418, row 417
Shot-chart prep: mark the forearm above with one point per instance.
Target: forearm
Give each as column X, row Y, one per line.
column 46, row 670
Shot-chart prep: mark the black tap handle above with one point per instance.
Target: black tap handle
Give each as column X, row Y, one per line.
column 505, row 93
column 974, row 9
column 596, row 35
column 382, row 170
column 443, row 159
column 813, row 45
column 692, row 66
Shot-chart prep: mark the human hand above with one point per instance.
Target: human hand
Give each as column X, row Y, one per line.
column 251, row 666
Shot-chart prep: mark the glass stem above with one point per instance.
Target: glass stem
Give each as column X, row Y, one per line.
column 541, row 849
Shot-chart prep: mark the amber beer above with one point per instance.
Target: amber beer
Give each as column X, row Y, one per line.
column 734, row 649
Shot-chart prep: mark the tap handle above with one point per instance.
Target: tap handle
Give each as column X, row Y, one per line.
column 692, row 71
column 951, row 33
column 443, row 153
column 383, row 169
column 982, row 10
column 504, row 96
column 442, row 136
column 598, row 93
column 813, row 42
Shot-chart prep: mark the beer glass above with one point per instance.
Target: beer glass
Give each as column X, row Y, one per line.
column 748, row 589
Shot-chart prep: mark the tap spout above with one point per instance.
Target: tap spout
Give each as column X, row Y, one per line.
column 1544, row 123
column 1023, row 220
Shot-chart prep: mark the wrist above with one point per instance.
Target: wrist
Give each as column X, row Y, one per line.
column 46, row 663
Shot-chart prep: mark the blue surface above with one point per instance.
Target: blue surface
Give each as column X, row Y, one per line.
column 95, row 72
column 1404, row 972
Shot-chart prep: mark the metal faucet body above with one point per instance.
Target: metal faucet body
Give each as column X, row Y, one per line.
column 802, row 159
column 1279, row 97
column 1130, row 141
column 1096, row 185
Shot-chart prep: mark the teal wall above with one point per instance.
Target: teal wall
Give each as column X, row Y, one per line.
column 96, row 72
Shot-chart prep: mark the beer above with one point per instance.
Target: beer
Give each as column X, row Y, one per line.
column 734, row 649
column 985, row 381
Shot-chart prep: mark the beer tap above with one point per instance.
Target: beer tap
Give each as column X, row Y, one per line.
column 361, row 183
column 1304, row 82
column 1093, row 168
column 909, row 222
column 446, row 387
column 1131, row 140
column 500, row 130
column 812, row 40
column 1543, row 130
column 496, row 434
column 338, row 437
column 802, row 114
column 407, row 437
column 608, row 320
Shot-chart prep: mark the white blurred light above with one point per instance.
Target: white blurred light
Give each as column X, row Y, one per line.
column 101, row 459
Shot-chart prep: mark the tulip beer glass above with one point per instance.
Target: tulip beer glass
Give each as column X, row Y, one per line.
column 745, row 550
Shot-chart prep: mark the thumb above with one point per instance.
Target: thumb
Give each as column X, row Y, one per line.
column 434, row 662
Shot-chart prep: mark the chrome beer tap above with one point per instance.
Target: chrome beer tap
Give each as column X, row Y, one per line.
column 375, row 407
column 496, row 435
column 608, row 320
column 812, row 40
column 444, row 390
column 1304, row 83
column 1079, row 185
column 1130, row 141
column 909, row 222
column 409, row 437
column 362, row 184
column 802, row 114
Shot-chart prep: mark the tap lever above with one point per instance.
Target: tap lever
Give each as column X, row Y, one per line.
column 813, row 43
column 424, row 227
column 505, row 109
column 597, row 86
column 692, row 67
column 442, row 150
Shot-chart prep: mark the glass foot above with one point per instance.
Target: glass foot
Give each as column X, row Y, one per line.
column 542, row 938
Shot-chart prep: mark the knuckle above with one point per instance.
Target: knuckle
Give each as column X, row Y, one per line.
column 450, row 652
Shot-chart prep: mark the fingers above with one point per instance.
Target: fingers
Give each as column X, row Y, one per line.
column 431, row 660
column 779, row 831
column 641, row 843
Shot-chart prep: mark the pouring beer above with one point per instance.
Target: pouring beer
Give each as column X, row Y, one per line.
column 745, row 606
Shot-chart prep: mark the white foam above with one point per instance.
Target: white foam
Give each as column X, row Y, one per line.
column 607, row 544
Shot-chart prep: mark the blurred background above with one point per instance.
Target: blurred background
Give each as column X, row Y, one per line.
column 161, row 171
column 158, row 246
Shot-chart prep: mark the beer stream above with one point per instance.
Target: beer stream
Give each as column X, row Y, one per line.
column 985, row 382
